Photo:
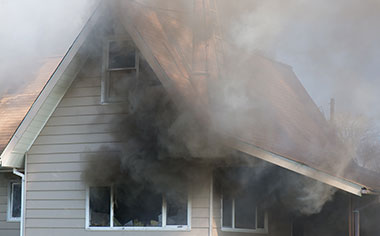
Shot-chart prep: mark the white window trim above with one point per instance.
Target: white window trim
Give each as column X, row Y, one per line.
column 242, row 230
column 164, row 227
column 10, row 202
column 105, row 99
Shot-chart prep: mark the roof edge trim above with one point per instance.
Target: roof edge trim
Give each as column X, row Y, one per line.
column 295, row 166
column 9, row 152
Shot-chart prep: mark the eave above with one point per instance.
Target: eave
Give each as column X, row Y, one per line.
column 294, row 166
column 48, row 99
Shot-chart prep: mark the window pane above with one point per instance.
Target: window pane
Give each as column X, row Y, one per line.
column 121, row 55
column 245, row 212
column 260, row 218
column 137, row 209
column 176, row 209
column 120, row 82
column 100, row 200
column 16, row 200
column 227, row 212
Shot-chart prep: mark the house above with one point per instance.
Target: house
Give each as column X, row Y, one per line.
column 79, row 144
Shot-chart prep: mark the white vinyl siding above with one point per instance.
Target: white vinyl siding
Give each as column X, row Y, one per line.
column 79, row 127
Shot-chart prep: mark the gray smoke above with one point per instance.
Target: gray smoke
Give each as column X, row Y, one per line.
column 33, row 31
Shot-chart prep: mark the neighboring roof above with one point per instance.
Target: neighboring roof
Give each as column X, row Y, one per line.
column 15, row 104
column 279, row 122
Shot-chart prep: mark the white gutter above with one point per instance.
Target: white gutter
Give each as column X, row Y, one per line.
column 22, row 176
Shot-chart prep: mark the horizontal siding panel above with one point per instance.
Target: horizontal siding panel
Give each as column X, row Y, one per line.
column 76, row 138
column 9, row 232
column 57, row 195
column 86, row 120
column 200, row 222
column 83, row 92
column 78, row 129
column 84, row 82
column 200, row 202
column 67, row 157
column 59, row 204
column 54, row 223
column 52, row 167
column 73, row 148
column 56, row 214
column 9, row 226
column 63, row 176
column 58, row 186
column 200, row 212
column 89, row 110
column 52, row 158
column 3, row 208
column 84, row 101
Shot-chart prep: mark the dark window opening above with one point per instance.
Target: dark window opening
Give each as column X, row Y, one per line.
column 242, row 212
column 245, row 212
column 137, row 206
column 121, row 70
column 143, row 209
column 122, row 55
column 227, row 212
column 100, row 203
column 176, row 209
column 15, row 200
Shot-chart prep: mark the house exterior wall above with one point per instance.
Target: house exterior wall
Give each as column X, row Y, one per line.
column 56, row 162
column 7, row 228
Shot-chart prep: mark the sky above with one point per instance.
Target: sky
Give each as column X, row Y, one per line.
column 35, row 29
column 331, row 45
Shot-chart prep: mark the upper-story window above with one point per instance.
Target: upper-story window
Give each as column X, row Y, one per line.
column 14, row 201
column 120, row 70
column 121, row 208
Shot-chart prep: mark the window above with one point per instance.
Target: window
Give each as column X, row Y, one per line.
column 121, row 68
column 119, row 208
column 14, row 201
column 241, row 213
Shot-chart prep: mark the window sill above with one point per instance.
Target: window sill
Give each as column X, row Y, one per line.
column 16, row 220
column 167, row 228
column 257, row 231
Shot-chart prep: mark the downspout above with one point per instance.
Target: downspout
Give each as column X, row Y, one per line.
column 356, row 223
column 22, row 221
column 211, row 208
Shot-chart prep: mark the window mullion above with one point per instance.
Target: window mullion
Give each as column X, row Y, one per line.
column 233, row 213
column 164, row 213
column 112, row 206
column 256, row 218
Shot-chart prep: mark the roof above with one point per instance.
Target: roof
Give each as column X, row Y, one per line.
column 263, row 110
column 15, row 104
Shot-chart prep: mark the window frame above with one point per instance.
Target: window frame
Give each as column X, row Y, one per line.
column 105, row 88
column 164, row 227
column 242, row 230
column 10, row 218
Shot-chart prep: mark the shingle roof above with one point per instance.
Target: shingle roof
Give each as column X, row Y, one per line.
column 15, row 104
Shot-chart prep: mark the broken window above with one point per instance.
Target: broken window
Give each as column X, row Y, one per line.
column 136, row 208
column 100, row 205
column 121, row 65
column 241, row 212
column 14, row 212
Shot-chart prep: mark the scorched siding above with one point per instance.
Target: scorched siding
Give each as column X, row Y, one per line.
column 80, row 126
